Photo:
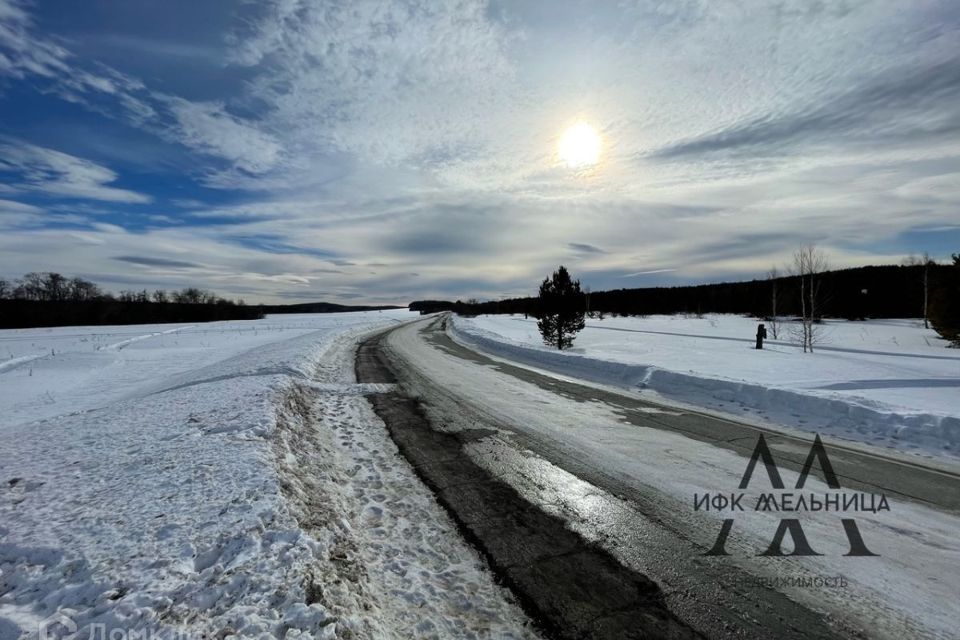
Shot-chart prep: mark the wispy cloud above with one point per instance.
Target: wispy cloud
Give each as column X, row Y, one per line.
column 158, row 262
column 336, row 149
column 646, row 273
column 27, row 167
column 580, row 247
column 15, row 215
column 206, row 127
column 900, row 104
column 388, row 82
column 20, row 53
column 164, row 48
column 209, row 128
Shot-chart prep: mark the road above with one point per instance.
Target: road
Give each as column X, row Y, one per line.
column 582, row 500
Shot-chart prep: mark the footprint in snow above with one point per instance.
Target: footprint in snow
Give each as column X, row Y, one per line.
column 372, row 515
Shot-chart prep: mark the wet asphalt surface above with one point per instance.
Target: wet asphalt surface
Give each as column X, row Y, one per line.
column 570, row 586
column 571, row 589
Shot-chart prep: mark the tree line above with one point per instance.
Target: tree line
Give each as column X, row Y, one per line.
column 921, row 288
column 48, row 299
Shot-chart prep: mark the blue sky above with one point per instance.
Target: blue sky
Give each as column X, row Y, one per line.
column 289, row 150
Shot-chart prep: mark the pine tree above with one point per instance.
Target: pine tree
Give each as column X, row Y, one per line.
column 561, row 309
column 945, row 301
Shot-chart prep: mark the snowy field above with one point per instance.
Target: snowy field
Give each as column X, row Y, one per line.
column 885, row 382
column 216, row 479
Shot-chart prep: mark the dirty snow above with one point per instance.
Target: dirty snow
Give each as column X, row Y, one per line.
column 890, row 383
column 220, row 478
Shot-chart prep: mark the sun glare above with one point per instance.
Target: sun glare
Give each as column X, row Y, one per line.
column 579, row 146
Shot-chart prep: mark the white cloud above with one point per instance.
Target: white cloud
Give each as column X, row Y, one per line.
column 937, row 188
column 162, row 258
column 387, row 82
column 393, row 133
column 208, row 128
column 25, row 55
column 205, row 127
column 54, row 173
column 15, row 215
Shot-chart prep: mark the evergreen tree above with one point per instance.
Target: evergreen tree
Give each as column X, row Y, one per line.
column 560, row 309
column 945, row 301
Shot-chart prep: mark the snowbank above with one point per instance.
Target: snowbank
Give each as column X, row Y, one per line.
column 834, row 391
column 173, row 502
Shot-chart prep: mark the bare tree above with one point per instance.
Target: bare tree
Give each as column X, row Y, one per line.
column 81, row 290
column 773, row 275
column 30, row 287
column 56, row 287
column 45, row 286
column 808, row 263
column 926, row 262
column 190, row 295
column 160, row 296
column 5, row 289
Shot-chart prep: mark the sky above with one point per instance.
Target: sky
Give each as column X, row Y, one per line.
column 382, row 151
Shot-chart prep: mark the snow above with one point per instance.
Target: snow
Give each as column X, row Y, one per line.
column 52, row 371
column 908, row 591
column 890, row 383
column 221, row 478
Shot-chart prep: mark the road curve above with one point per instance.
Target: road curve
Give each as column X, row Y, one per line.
column 590, row 550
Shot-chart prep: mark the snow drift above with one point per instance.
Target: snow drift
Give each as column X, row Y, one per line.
column 825, row 411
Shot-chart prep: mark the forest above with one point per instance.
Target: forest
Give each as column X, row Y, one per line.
column 46, row 299
column 896, row 291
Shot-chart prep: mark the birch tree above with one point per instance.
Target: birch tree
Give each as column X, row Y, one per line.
column 925, row 261
column 808, row 263
column 773, row 275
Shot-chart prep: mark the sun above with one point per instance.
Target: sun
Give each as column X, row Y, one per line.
column 579, row 146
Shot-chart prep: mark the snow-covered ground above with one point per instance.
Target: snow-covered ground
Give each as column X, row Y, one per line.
column 51, row 371
column 220, row 478
column 908, row 591
column 884, row 382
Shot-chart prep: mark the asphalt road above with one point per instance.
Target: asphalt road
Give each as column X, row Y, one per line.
column 617, row 565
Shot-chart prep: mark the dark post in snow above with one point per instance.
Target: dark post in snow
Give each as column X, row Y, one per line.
column 761, row 334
